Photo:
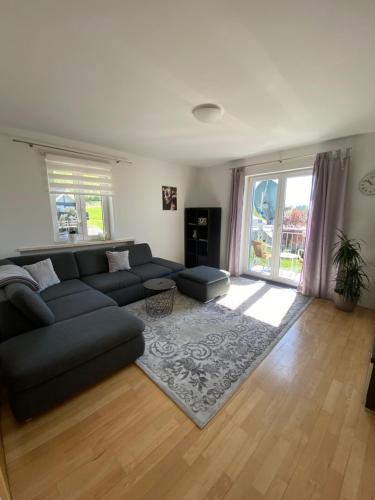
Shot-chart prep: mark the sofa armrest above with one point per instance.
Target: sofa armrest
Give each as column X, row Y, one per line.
column 30, row 304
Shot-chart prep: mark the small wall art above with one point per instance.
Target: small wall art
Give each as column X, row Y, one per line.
column 169, row 197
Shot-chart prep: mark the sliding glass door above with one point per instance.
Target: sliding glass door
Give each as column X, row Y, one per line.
column 278, row 209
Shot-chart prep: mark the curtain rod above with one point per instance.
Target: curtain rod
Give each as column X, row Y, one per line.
column 282, row 160
column 116, row 159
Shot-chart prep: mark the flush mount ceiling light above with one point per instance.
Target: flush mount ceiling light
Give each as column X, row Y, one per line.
column 208, row 113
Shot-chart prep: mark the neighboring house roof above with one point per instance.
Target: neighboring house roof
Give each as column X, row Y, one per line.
column 65, row 200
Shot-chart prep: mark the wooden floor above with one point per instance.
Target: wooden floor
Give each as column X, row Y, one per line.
column 297, row 429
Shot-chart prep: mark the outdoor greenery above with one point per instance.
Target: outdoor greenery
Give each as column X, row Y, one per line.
column 288, row 265
column 285, row 264
column 351, row 278
column 95, row 214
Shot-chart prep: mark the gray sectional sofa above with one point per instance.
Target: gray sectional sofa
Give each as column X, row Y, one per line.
column 70, row 335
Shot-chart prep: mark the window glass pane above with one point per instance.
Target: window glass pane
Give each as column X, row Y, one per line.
column 94, row 215
column 263, row 212
column 294, row 223
column 67, row 214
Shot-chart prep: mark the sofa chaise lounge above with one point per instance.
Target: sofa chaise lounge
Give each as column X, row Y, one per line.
column 69, row 336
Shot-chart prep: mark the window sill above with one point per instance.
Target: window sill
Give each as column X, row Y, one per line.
column 79, row 244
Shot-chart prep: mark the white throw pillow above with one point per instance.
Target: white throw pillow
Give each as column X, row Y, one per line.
column 118, row 261
column 43, row 273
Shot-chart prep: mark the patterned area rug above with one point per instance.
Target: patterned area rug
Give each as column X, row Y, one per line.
column 201, row 353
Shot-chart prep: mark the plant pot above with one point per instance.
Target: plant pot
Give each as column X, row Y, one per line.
column 342, row 303
column 73, row 237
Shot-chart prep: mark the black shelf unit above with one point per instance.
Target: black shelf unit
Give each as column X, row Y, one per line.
column 202, row 236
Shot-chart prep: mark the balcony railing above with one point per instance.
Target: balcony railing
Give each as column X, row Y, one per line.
column 292, row 238
column 291, row 251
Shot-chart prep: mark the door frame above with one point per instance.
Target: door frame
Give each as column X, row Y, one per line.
column 276, row 240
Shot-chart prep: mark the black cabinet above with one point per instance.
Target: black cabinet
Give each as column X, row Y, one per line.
column 202, row 236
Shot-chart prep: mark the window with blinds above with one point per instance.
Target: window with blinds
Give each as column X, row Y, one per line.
column 80, row 193
column 76, row 176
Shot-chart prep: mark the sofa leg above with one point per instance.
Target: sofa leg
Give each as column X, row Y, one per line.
column 28, row 420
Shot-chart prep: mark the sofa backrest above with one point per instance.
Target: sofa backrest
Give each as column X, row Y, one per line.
column 71, row 265
column 139, row 254
column 5, row 262
column 92, row 261
column 96, row 262
column 64, row 263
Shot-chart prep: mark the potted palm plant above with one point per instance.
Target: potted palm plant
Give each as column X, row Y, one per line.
column 351, row 278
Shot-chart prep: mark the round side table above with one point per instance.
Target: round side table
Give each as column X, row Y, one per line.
column 160, row 294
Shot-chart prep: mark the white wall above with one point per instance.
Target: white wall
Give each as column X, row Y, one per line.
column 360, row 209
column 214, row 190
column 138, row 205
column 25, row 218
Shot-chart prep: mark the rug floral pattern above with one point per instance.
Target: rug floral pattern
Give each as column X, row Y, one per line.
column 201, row 353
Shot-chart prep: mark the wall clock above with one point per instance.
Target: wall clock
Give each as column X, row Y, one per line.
column 367, row 184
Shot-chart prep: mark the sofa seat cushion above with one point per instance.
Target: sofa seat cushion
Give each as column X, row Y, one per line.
column 76, row 304
column 40, row 355
column 173, row 266
column 107, row 282
column 204, row 274
column 64, row 288
column 149, row 271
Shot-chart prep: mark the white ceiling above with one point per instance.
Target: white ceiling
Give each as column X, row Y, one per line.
column 125, row 74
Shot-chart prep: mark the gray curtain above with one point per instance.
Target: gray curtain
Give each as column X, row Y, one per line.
column 326, row 215
column 235, row 220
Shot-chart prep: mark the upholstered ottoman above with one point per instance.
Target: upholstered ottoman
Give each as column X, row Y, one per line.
column 203, row 283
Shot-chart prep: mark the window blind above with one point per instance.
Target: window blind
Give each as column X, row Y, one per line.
column 77, row 176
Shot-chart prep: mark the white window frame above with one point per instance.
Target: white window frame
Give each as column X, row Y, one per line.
column 79, row 178
column 247, row 207
column 82, row 220
column 106, row 218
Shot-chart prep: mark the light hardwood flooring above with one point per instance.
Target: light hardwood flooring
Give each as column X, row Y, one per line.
column 296, row 429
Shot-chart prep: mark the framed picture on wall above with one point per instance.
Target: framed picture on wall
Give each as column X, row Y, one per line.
column 169, row 197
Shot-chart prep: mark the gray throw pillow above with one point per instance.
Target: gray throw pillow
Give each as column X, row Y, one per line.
column 44, row 273
column 118, row 261
column 30, row 303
